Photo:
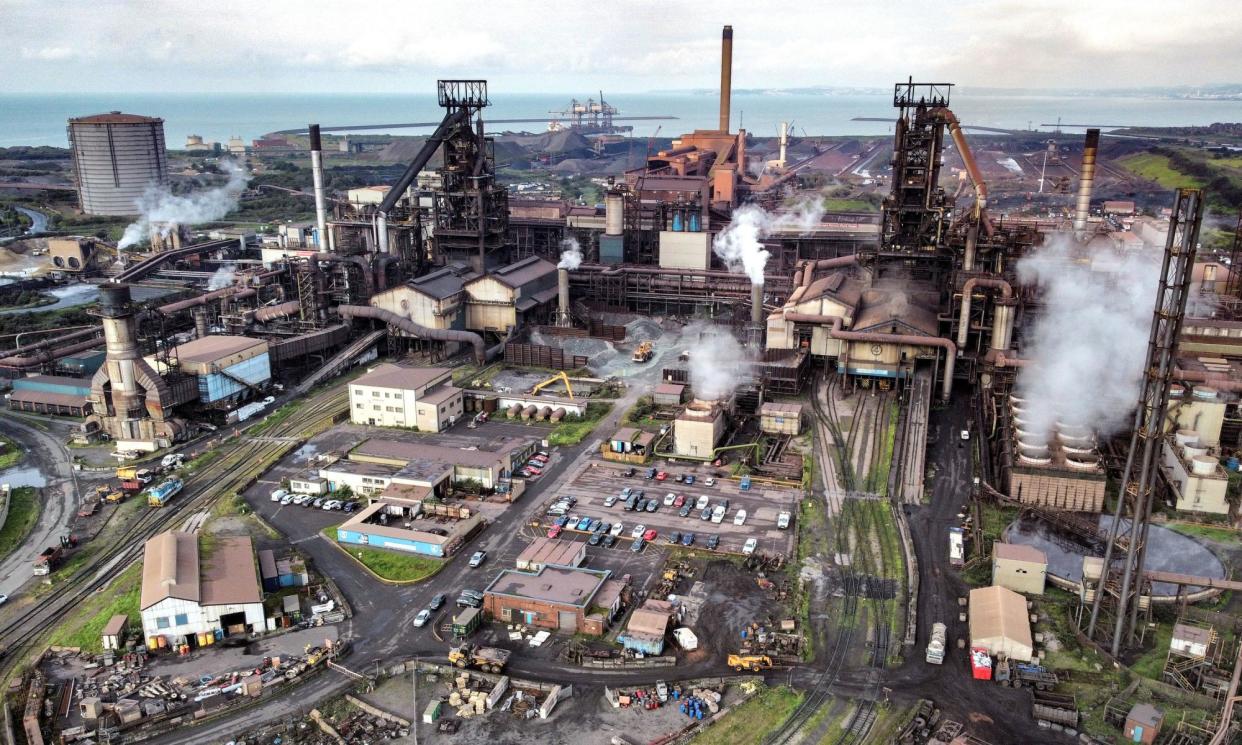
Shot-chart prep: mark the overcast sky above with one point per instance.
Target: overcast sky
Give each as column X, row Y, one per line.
column 620, row 46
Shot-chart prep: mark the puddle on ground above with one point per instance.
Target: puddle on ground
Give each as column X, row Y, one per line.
column 23, row 476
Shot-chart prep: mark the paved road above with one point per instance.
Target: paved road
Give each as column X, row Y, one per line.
column 45, row 452
column 38, row 220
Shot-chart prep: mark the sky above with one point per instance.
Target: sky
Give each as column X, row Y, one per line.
column 621, row 46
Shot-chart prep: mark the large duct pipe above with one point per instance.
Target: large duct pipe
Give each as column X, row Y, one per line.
column 52, row 341
column 273, row 312
column 614, row 213
column 31, row 361
column 1002, row 325
column 1220, row 381
column 234, row 292
column 806, row 274
column 321, row 207
column 562, row 297
column 972, row 239
column 756, row 304
column 726, row 76
column 972, row 169
column 1086, row 179
column 968, row 290
column 381, row 270
column 381, row 232
column 837, row 332
column 350, row 312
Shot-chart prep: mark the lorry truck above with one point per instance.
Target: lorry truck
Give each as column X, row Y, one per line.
column 935, row 645
column 158, row 496
column 1019, row 674
column 48, row 560
column 751, row 663
column 957, row 551
column 489, row 659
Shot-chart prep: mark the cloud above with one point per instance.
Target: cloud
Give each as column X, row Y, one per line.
column 48, row 53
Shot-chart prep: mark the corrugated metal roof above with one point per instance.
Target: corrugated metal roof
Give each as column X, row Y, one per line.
column 551, row 584
column 409, row 451
column 116, row 625
column 1019, row 552
column 228, row 576
column 48, row 399
column 389, row 375
column 522, row 272
column 211, row 348
column 669, row 389
column 774, row 408
column 116, row 117
column 997, row 612
column 440, row 284
column 170, row 568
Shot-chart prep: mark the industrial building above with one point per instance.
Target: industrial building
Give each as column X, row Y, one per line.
column 116, row 157
column 71, row 254
column 186, row 595
column 647, row 627
column 1196, row 479
column 699, row 428
column 436, row 466
column 567, row 599
column 225, row 368
column 395, row 396
column 51, row 394
column 1019, row 567
column 999, row 623
column 550, row 552
column 628, row 445
column 780, row 418
column 511, row 295
column 400, row 525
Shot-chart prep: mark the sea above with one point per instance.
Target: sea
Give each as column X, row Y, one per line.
column 40, row 119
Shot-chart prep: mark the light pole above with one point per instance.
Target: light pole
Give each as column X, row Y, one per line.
column 414, row 690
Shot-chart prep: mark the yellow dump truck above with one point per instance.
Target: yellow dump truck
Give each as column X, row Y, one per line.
column 489, row 659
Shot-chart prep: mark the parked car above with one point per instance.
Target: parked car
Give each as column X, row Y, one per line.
column 679, row 478
column 640, row 505
column 650, row 535
column 685, row 510
column 703, row 501
column 629, row 472
column 669, row 499
column 739, row 517
column 533, row 469
column 609, row 541
column 349, row 507
column 674, row 537
column 583, row 523
column 638, row 531
column 469, row 601
column 595, row 539
column 687, row 539
column 604, row 527
column 713, row 541
column 783, row 519
column 437, row 601
column 422, row 618
column 651, row 474
column 638, row 545
column 616, row 529
column 610, row 500
column 555, row 531
column 279, row 494
column 561, row 521
column 661, row 476
column 751, row 545
column 652, row 505
column 718, row 513
column 318, row 502
column 472, row 593
column 626, row 492
column 689, row 479
column 286, row 499
column 593, row 526
column 478, row 558
column 709, row 481
column 680, row 500
column 706, row 514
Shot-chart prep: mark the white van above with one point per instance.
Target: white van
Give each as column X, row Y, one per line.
column 279, row 494
column 739, row 517
column 783, row 519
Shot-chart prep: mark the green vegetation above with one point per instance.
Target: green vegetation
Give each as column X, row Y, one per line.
column 25, row 299
column 640, row 414
column 199, row 462
column 276, row 417
column 1156, row 167
column 83, row 628
column 1151, row 663
column 849, row 205
column 23, row 514
column 877, row 479
column 10, row 453
column 1219, row 535
column 573, row 430
column 1172, row 167
column 389, row 565
column 750, row 721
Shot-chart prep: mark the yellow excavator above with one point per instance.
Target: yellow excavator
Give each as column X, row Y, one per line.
column 561, row 377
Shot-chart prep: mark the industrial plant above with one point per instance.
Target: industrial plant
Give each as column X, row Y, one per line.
column 984, row 434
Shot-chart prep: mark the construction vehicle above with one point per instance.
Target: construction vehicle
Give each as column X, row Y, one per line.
column 561, row 377
column 102, row 490
column 158, row 496
column 751, row 663
column 488, row 659
column 1018, row 674
column 48, row 560
column 935, row 645
column 126, row 473
column 643, row 352
column 116, row 497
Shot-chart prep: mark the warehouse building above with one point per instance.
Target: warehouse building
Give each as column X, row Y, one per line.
column 51, row 394
column 70, row 254
column 1019, row 567
column 554, row 597
column 386, row 524
column 363, row 479
column 420, row 464
column 548, row 551
column 698, row 429
column 226, row 367
column 669, row 394
column 999, row 623
column 398, row 396
column 185, row 594
column 512, row 295
column 647, row 627
column 435, row 300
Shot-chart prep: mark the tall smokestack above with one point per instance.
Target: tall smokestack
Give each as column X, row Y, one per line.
column 1086, row 180
column 756, row 305
column 614, row 213
column 784, row 142
column 321, row 210
column 562, row 295
column 726, row 76
column 200, row 322
column 121, row 340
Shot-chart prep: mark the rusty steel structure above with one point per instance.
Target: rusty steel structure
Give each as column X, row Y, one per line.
column 1119, row 596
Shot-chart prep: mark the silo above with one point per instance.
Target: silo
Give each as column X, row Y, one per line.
column 115, row 157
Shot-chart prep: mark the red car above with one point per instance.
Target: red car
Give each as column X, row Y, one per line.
column 554, row 531
column 680, row 500
column 661, row 476
column 650, row 535
column 534, row 469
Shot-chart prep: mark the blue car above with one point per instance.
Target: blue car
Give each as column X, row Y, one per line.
column 593, row 526
column 584, row 523
column 690, row 478
column 561, row 521
column 687, row 539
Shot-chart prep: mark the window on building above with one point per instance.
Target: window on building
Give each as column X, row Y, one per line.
column 443, row 409
column 161, row 622
column 506, row 614
column 375, row 394
column 181, row 619
column 400, row 410
column 376, row 407
column 357, row 406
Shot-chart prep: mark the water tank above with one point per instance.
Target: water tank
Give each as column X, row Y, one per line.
column 1190, row 452
column 1203, row 465
column 1185, row 437
column 115, row 157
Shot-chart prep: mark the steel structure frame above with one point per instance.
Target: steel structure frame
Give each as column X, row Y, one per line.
column 1143, row 457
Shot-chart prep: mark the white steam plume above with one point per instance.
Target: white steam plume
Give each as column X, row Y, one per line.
column 159, row 208
column 225, row 276
column 1088, row 346
column 571, row 254
column 718, row 363
column 739, row 245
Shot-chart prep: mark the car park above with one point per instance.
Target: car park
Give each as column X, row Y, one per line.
column 706, row 514
column 437, row 601
column 739, row 517
column 422, row 618
column 680, row 500
column 703, row 502
column 478, row 558
column 669, row 499
column 685, row 510
column 638, row 545
column 638, row 531
column 751, row 545
column 595, row 539
column 609, row 541
column 713, row 541
column 674, row 537
column 689, row 479
column 661, row 475
column 616, row 529
column 652, row 505
column 650, row 534
column 687, row 539
column 279, row 494
column 554, row 531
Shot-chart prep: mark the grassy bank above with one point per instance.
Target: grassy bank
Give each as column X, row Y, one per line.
column 392, row 566
column 574, row 432
column 750, row 721
column 23, row 514
column 1158, row 168
column 10, row 453
column 83, row 628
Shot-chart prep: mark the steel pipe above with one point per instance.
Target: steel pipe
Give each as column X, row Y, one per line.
column 350, row 312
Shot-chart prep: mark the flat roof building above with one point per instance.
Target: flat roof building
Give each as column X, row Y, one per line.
column 554, row 597
column 399, row 396
column 549, row 551
column 1019, row 567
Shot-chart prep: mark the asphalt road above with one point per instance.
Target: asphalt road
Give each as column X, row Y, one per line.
column 45, row 452
column 38, row 220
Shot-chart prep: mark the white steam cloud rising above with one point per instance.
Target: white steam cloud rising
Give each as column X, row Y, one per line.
column 740, row 246
column 1088, row 346
column 718, row 363
column 225, row 276
column 571, row 254
column 159, row 208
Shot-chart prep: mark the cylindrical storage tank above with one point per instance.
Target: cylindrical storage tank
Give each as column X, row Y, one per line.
column 116, row 156
column 514, row 411
column 1203, row 465
column 529, row 412
column 1190, row 452
column 614, row 213
column 558, row 414
column 1184, row 437
column 543, row 414
column 1082, row 462
column 490, row 405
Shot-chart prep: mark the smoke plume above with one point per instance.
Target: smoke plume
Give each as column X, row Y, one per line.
column 159, row 209
column 718, row 363
column 739, row 245
column 225, row 276
column 571, row 254
column 1088, row 347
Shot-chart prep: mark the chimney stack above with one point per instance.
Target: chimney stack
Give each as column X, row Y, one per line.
column 562, row 295
column 321, row 211
column 1086, row 179
column 614, row 213
column 726, row 76
column 200, row 322
column 756, row 305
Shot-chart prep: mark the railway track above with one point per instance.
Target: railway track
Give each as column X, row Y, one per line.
column 239, row 465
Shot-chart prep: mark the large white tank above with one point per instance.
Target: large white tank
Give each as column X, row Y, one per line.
column 115, row 157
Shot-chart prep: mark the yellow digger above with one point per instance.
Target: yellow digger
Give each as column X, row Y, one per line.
column 561, row 377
